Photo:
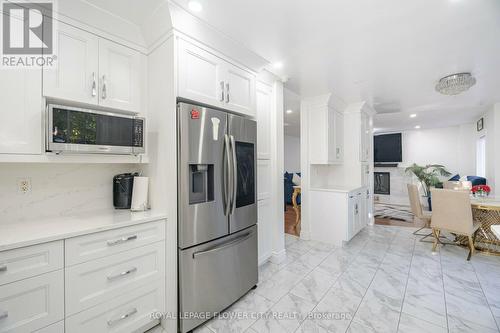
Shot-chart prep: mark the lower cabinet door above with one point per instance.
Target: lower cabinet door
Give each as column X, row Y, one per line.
column 135, row 311
column 31, row 304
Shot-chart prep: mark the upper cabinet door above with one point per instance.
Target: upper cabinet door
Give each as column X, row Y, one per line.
column 75, row 77
column 240, row 90
column 200, row 75
column 120, row 79
column 264, row 110
column 21, row 125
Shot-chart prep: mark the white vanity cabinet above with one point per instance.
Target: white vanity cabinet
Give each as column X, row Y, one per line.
column 95, row 71
column 207, row 78
column 347, row 214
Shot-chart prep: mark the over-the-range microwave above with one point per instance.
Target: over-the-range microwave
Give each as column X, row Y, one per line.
column 78, row 130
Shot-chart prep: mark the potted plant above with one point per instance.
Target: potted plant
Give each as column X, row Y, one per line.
column 429, row 177
column 481, row 190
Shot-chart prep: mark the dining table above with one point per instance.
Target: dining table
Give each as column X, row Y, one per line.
column 486, row 210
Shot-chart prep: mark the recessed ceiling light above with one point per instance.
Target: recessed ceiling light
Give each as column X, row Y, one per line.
column 289, row 111
column 278, row 65
column 413, row 115
column 195, row 6
column 417, row 127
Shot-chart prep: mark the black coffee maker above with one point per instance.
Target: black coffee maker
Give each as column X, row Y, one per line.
column 122, row 190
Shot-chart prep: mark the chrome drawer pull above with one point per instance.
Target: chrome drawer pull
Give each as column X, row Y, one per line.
column 121, row 240
column 122, row 274
column 112, row 322
column 4, row 314
column 3, row 268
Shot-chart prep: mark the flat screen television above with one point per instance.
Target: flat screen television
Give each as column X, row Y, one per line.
column 388, row 148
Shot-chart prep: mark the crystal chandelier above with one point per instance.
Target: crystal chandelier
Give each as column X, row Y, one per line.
column 455, row 84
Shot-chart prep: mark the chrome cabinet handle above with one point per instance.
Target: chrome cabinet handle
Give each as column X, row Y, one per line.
column 121, row 240
column 112, row 322
column 94, row 85
column 235, row 175
column 227, row 175
column 223, row 245
column 4, row 314
column 227, row 92
column 122, row 274
column 222, row 91
column 104, row 89
column 3, row 268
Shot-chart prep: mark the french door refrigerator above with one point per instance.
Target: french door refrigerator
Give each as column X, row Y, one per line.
column 217, row 211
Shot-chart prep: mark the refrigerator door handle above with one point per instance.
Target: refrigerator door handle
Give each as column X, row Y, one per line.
column 227, row 175
column 224, row 245
column 235, row 175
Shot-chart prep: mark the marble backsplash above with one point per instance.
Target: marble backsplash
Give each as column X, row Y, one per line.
column 57, row 189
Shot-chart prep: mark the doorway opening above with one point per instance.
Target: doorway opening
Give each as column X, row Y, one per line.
column 292, row 173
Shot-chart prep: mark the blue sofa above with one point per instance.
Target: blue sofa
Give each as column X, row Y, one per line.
column 289, row 188
column 475, row 180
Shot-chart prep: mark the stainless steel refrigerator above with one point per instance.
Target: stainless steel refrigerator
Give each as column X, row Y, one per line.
column 217, row 211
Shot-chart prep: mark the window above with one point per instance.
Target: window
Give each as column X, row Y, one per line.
column 481, row 157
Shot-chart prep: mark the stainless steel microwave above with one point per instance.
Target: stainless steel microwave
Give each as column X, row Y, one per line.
column 77, row 130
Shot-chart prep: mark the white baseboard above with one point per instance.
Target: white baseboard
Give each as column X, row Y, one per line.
column 305, row 235
column 278, row 256
column 263, row 259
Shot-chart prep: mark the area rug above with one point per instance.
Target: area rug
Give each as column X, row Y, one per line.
column 393, row 212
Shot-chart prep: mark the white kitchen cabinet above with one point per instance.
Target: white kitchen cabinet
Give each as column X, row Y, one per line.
column 264, row 113
column 75, row 77
column 347, row 214
column 264, row 179
column 97, row 281
column 94, row 70
column 240, row 90
column 21, row 125
column 25, row 262
column 206, row 78
column 120, row 78
column 201, row 75
column 365, row 139
column 265, row 229
column 129, row 312
column 326, row 137
column 33, row 303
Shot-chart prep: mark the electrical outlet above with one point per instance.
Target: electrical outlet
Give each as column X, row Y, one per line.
column 24, row 185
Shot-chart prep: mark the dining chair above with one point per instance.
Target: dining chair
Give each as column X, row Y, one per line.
column 452, row 212
column 416, row 209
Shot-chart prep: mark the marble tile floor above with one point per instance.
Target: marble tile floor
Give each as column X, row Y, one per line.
column 384, row 280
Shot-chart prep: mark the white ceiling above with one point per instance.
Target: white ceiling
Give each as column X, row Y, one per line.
column 387, row 52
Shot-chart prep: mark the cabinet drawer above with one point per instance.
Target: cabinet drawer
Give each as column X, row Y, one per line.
column 33, row 303
column 54, row 328
column 98, row 281
column 98, row 245
column 29, row 261
column 127, row 313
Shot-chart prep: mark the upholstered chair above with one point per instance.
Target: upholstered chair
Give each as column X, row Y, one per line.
column 452, row 212
column 416, row 209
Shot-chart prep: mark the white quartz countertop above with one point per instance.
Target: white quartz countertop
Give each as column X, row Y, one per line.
column 343, row 189
column 26, row 233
